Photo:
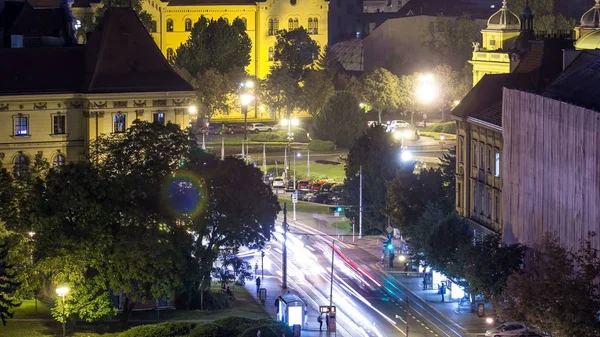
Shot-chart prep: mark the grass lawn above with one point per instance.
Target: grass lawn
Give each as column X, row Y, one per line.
column 54, row 329
column 344, row 225
column 302, row 206
column 317, row 171
column 27, row 310
column 437, row 135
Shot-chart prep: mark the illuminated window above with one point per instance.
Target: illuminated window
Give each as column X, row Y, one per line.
column 159, row 117
column 188, row 25
column 59, row 124
column 270, row 30
column 21, row 126
column 20, row 164
column 310, row 26
column 58, row 160
column 169, row 25
column 170, row 54
column 271, row 54
column 276, row 26
column 497, row 164
column 119, row 123
column 77, row 24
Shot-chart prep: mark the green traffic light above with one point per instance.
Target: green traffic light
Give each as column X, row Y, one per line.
column 390, row 246
column 339, row 209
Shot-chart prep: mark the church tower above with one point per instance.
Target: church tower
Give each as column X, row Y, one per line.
column 492, row 57
column 588, row 32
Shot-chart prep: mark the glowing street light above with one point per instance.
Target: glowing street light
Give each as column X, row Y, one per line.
column 192, row 109
column 427, row 90
column 489, row 320
column 62, row 292
column 406, row 155
column 245, row 99
column 402, row 135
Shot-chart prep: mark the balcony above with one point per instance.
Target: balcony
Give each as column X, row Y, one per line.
column 491, row 57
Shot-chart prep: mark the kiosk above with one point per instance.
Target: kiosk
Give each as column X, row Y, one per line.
column 290, row 309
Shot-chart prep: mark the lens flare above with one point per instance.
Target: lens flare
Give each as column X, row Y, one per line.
column 184, row 194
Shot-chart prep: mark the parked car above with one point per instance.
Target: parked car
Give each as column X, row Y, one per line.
column 290, row 185
column 320, row 198
column 234, row 128
column 278, row 182
column 303, row 185
column 307, row 196
column 316, row 187
column 244, row 157
column 327, row 187
column 399, row 124
column 333, row 199
column 507, row 329
column 260, row 127
column 337, row 189
column 211, row 129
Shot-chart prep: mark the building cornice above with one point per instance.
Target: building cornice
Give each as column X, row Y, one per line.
column 484, row 124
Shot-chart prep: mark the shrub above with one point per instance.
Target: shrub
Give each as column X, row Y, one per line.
column 234, row 326
column 168, row 329
column 321, row 145
column 449, row 127
column 213, row 300
column 208, row 330
column 280, row 136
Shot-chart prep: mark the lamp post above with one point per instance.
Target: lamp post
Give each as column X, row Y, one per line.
column 31, row 235
column 289, row 122
column 427, row 91
column 62, row 292
column 245, row 99
column 294, row 202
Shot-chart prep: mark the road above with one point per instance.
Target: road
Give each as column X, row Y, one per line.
column 369, row 303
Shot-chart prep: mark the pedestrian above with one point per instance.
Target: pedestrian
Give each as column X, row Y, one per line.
column 327, row 321
column 320, row 320
column 424, row 283
column 257, row 284
column 258, row 333
column 256, row 269
column 443, row 291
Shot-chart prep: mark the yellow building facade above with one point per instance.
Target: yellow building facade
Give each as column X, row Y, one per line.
column 492, row 57
column 173, row 21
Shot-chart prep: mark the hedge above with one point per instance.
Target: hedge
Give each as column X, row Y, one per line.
column 321, row 145
column 168, row 329
column 280, row 136
column 449, row 127
column 207, row 330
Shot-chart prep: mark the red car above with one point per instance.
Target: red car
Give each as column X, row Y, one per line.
column 303, row 185
column 316, row 187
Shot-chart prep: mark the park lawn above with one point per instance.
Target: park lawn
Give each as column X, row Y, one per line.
column 27, row 310
column 317, row 171
column 54, row 329
column 344, row 225
column 302, row 206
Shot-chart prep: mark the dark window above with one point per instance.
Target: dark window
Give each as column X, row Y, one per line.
column 245, row 22
column 159, row 117
column 315, row 26
column 119, row 123
column 20, row 164
column 349, row 9
column 290, row 24
column 153, row 26
column 58, row 124
column 58, row 160
column 270, row 31
column 21, row 126
column 492, row 42
column 188, row 25
column 169, row 25
column 296, row 24
column 276, row 26
column 310, row 26
column 170, row 54
column 339, row 3
column 271, row 54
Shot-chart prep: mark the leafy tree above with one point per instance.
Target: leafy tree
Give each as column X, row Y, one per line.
column 317, row 88
column 213, row 91
column 296, row 51
column 488, row 265
column 8, row 286
column 557, row 289
column 280, row 91
column 90, row 20
column 341, row 121
column 380, row 90
column 546, row 18
column 377, row 154
column 214, row 44
column 450, row 39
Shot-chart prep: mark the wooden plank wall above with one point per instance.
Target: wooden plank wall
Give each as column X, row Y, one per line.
column 551, row 170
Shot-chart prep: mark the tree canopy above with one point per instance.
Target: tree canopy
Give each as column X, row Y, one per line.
column 546, row 18
column 8, row 285
column 450, row 39
column 380, row 90
column 342, row 110
column 90, row 20
column 296, row 51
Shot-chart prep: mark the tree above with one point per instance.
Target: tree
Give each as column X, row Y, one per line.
column 8, row 286
column 546, row 18
column 296, row 51
column 380, row 89
column 375, row 151
column 557, row 289
column 341, row 121
column 90, row 20
column 450, row 39
column 280, row 91
column 488, row 265
column 317, row 88
column 214, row 44
column 214, row 89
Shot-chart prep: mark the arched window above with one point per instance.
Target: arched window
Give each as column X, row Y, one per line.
column 169, row 25
column 20, row 165
column 170, row 54
column 275, row 26
column 226, row 20
column 296, row 24
column 293, row 2
column 271, row 54
column 315, row 26
column 270, row 31
column 291, row 24
column 310, row 26
column 245, row 22
column 188, row 25
column 58, row 160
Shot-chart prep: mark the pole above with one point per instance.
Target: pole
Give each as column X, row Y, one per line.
column 203, row 142
column 293, row 202
column 222, row 147
column 285, row 228
column 360, row 205
column 262, row 266
column 331, row 285
column 294, row 176
column 264, row 159
column 352, row 231
column 245, row 112
column 308, row 164
column 64, row 319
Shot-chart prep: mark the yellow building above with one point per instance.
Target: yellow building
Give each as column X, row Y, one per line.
column 173, row 21
column 54, row 100
column 493, row 57
column 588, row 32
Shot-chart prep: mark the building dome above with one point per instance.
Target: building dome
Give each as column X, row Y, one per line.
column 591, row 18
column 589, row 41
column 504, row 19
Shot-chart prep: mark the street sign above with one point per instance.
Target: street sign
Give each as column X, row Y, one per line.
column 295, row 197
column 326, row 309
column 389, row 229
column 336, row 214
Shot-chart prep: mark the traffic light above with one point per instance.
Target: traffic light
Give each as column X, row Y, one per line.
column 181, row 163
column 389, row 246
column 339, row 209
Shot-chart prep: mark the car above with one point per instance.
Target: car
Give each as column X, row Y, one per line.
column 333, row 199
column 507, row 329
column 327, row 187
column 235, row 128
column 260, row 127
column 316, row 187
column 398, row 124
column 307, row 196
column 338, row 189
column 290, row 185
column 244, row 157
column 303, row 185
column 278, row 182
column 320, row 198
column 212, row 129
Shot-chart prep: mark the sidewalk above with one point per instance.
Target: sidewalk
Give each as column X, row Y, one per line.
column 368, row 250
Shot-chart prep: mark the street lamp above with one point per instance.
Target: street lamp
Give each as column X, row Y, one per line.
column 427, row 91
column 402, row 135
column 62, row 292
column 406, row 155
column 245, row 100
column 289, row 122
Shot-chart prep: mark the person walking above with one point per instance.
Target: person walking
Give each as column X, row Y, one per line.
column 443, row 291
column 258, row 333
column 327, row 321
column 257, row 284
column 320, row 320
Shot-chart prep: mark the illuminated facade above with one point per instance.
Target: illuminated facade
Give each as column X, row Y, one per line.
column 173, row 20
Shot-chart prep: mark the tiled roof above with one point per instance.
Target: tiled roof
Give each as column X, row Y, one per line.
column 120, row 56
column 579, row 83
column 349, row 54
column 211, row 2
